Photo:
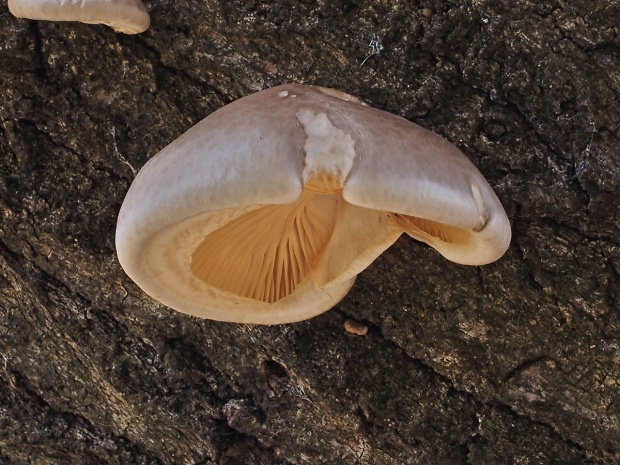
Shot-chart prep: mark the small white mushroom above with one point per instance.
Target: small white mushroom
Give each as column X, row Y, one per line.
column 127, row 16
column 266, row 211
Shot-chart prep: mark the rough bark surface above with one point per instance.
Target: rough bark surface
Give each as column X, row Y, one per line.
column 517, row 362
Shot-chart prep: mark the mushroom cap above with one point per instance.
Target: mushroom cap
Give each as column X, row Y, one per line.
column 266, row 210
column 127, row 16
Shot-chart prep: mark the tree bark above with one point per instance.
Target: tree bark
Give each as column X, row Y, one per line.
column 517, row 362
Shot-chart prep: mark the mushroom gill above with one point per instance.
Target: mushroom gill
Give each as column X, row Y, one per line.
column 266, row 253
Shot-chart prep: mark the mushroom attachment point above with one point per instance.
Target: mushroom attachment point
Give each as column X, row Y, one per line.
column 267, row 210
column 127, row 16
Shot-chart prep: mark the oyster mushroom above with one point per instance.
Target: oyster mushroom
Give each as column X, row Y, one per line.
column 266, row 211
column 127, row 16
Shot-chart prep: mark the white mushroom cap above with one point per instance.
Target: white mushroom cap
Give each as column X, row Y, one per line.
column 266, row 211
column 128, row 16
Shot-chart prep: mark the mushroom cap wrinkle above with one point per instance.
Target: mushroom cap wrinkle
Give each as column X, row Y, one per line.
column 266, row 210
column 127, row 16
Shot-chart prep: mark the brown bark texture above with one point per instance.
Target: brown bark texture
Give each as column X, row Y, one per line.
column 517, row 362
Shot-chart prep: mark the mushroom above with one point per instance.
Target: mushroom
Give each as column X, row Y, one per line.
column 128, row 16
column 266, row 210
column 355, row 327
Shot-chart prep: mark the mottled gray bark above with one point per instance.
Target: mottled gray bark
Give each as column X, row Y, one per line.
column 517, row 362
